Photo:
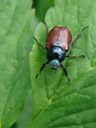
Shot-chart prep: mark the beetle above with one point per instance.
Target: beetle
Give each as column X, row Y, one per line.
column 58, row 43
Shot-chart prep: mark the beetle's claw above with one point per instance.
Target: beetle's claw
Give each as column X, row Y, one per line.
column 68, row 79
column 36, row 76
column 83, row 56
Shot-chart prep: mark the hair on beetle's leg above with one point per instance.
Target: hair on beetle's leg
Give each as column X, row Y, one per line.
column 47, row 29
column 73, row 56
column 42, row 67
column 78, row 36
column 64, row 69
column 39, row 43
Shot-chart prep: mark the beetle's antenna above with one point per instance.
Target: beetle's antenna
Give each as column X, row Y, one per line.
column 78, row 36
column 64, row 69
column 39, row 43
column 42, row 67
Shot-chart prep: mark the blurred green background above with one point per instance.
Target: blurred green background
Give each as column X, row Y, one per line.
column 41, row 7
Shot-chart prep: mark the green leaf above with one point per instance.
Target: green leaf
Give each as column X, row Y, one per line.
column 15, row 44
column 56, row 102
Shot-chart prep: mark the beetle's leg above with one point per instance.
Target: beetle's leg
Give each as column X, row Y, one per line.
column 47, row 29
column 73, row 56
column 64, row 69
column 78, row 36
column 42, row 67
column 39, row 43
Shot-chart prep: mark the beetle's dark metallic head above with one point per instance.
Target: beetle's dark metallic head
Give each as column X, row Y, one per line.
column 54, row 64
column 56, row 53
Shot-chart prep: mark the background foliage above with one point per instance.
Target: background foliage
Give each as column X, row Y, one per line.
column 55, row 103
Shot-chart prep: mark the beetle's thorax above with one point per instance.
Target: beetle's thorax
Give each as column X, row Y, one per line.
column 56, row 52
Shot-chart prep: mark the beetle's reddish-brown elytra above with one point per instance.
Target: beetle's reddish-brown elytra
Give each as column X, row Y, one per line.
column 59, row 36
column 57, row 45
